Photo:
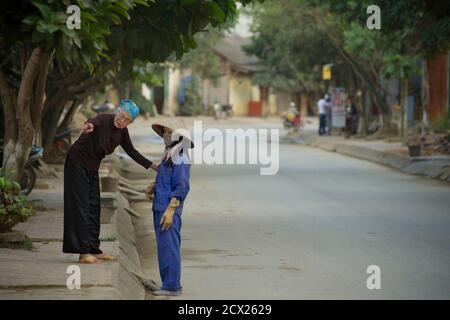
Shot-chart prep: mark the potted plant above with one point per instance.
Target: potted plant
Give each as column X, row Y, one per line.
column 14, row 208
column 415, row 146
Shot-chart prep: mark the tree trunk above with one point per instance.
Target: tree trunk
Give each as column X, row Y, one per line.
column 51, row 119
column 69, row 116
column 17, row 158
column 17, row 115
column 425, row 95
column 72, row 85
column 9, row 110
column 403, row 104
column 365, row 100
column 39, row 102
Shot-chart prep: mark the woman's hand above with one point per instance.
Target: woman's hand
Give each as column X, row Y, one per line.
column 88, row 127
column 154, row 166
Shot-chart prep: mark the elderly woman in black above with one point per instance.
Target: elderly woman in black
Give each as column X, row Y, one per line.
column 101, row 135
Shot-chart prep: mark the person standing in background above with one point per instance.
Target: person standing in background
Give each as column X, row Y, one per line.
column 322, row 106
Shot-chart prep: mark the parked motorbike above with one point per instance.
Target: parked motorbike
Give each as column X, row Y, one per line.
column 223, row 111
column 28, row 179
column 106, row 107
column 63, row 141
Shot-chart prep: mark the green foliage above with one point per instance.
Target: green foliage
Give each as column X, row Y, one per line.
column 362, row 41
column 390, row 56
column 192, row 101
column 144, row 104
column 389, row 51
column 203, row 60
column 11, row 202
column 291, row 45
column 114, row 35
column 45, row 25
column 441, row 124
column 147, row 30
column 149, row 73
column 163, row 28
column 421, row 26
column 399, row 65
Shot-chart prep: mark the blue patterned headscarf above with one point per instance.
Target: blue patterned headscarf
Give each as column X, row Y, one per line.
column 130, row 107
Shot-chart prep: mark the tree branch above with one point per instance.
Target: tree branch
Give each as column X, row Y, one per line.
column 108, row 66
column 44, row 63
column 26, row 132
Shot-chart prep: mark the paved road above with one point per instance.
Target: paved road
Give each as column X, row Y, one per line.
column 311, row 231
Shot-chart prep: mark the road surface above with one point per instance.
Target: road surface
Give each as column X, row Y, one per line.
column 312, row 230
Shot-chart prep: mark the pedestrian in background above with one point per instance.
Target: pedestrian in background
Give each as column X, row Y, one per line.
column 322, row 106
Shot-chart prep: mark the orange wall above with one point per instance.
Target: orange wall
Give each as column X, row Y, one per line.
column 438, row 75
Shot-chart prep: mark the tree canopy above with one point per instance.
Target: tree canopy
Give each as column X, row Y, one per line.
column 46, row 67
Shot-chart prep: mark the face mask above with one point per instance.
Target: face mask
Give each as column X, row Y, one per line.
column 167, row 139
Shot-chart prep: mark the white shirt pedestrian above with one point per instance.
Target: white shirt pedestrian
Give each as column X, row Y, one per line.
column 322, row 105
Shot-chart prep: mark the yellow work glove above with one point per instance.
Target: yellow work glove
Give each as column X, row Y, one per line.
column 149, row 191
column 167, row 218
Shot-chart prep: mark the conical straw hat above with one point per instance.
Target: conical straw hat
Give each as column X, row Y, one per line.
column 174, row 124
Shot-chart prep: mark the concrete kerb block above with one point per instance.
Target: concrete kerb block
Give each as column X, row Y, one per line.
column 128, row 169
column 128, row 286
column 14, row 236
column 435, row 168
column 435, row 172
column 131, row 282
column 396, row 161
column 328, row 146
column 43, row 185
column 109, row 183
column 360, row 152
column 445, row 173
column 107, row 214
column 317, row 142
column 109, row 203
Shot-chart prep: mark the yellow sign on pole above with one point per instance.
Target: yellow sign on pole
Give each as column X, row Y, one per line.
column 326, row 72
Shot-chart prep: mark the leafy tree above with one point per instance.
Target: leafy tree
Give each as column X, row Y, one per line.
column 295, row 38
column 32, row 33
column 203, row 61
column 294, row 48
column 410, row 30
column 47, row 67
column 154, row 33
column 192, row 105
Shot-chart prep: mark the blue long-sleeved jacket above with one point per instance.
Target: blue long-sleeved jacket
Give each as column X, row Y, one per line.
column 172, row 180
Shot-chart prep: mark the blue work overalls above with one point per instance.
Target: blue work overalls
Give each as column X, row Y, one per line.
column 172, row 180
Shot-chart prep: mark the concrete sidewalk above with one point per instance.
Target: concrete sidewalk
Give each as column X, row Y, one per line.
column 391, row 154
